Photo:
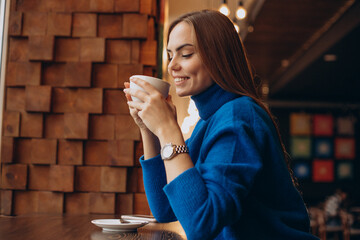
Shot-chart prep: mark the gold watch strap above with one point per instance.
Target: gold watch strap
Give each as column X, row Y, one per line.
column 181, row 149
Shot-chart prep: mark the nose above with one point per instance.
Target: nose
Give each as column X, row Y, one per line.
column 173, row 65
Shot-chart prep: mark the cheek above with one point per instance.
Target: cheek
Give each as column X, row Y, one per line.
column 204, row 77
column 193, row 68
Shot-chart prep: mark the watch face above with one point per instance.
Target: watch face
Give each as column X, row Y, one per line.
column 168, row 151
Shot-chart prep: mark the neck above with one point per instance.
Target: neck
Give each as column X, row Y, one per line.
column 210, row 100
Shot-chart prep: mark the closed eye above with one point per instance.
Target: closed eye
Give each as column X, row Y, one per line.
column 187, row 55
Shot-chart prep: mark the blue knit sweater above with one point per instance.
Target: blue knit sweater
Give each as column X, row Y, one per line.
column 240, row 187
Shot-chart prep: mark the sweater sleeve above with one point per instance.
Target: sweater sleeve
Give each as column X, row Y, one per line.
column 154, row 176
column 209, row 196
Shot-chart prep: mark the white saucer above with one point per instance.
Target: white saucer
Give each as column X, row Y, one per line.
column 114, row 225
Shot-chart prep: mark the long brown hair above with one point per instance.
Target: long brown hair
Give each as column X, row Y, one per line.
column 224, row 56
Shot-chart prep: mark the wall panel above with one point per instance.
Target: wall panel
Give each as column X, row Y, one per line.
column 69, row 144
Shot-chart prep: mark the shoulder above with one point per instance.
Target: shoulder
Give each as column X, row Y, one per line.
column 243, row 116
column 242, row 110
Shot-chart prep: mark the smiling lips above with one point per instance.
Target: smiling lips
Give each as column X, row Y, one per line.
column 180, row 80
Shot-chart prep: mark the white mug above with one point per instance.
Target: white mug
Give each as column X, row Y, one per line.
column 162, row 86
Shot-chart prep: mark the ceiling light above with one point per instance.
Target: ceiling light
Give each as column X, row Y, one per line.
column 224, row 9
column 330, row 57
column 265, row 89
column 240, row 11
column 285, row 63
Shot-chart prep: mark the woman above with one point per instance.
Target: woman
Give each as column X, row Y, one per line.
column 230, row 179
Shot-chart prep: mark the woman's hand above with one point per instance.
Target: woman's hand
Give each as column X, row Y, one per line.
column 134, row 111
column 155, row 112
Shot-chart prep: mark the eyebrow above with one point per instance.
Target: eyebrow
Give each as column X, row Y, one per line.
column 180, row 47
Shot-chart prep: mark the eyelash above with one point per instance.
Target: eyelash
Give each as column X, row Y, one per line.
column 187, row 55
column 184, row 56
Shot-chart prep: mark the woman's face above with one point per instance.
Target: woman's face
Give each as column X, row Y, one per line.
column 185, row 65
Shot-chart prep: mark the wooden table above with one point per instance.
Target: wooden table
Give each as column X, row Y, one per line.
column 74, row 227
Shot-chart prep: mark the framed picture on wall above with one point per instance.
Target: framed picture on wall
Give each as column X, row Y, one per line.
column 345, row 148
column 302, row 170
column 300, row 124
column 323, row 170
column 323, row 147
column 323, row 125
column 345, row 170
column 345, row 126
column 300, row 147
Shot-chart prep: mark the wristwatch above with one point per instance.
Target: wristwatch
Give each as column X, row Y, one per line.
column 169, row 150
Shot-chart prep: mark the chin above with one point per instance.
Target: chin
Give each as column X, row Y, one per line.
column 182, row 93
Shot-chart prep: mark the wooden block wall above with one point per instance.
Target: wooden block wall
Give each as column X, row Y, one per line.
column 68, row 143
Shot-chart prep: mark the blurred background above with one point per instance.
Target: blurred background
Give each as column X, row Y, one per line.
column 68, row 143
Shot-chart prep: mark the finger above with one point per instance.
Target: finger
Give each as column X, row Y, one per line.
column 136, row 105
column 128, row 96
column 145, row 85
column 171, row 104
column 134, row 112
column 136, row 93
column 169, row 99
